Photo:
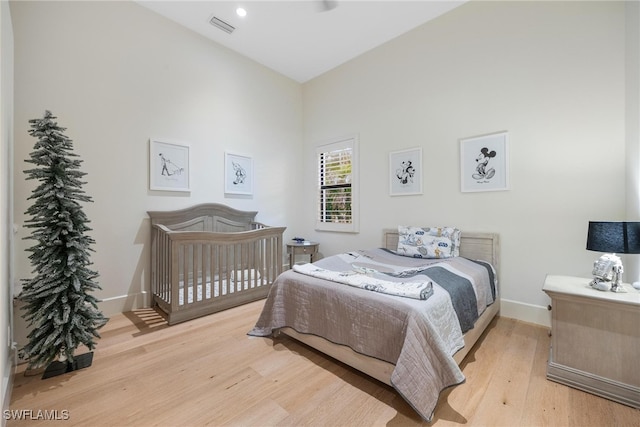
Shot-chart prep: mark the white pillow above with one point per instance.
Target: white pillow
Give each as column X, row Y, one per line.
column 428, row 242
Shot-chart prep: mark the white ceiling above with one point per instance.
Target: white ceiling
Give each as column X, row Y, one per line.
column 302, row 38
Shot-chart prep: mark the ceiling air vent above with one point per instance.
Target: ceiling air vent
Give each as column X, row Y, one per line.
column 219, row 23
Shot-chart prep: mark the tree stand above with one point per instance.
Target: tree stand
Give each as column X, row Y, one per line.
column 58, row 368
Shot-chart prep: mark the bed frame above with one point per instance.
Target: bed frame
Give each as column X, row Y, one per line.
column 477, row 246
column 210, row 257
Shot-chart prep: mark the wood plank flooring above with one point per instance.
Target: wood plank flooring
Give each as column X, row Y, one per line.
column 209, row 372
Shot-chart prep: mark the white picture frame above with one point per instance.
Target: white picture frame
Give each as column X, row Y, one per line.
column 405, row 172
column 169, row 165
column 484, row 162
column 238, row 174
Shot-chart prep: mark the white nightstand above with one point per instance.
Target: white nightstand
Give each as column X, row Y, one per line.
column 595, row 341
column 302, row 248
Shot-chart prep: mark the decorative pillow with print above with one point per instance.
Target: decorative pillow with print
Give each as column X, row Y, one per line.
column 428, row 242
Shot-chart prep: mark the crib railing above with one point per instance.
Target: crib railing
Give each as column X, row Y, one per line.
column 199, row 272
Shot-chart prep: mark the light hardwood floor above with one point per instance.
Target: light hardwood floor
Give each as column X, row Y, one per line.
column 209, row 372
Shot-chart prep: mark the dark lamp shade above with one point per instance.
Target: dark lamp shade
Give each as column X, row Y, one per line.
column 614, row 237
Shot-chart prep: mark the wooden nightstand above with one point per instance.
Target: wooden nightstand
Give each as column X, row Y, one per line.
column 595, row 341
column 302, row 248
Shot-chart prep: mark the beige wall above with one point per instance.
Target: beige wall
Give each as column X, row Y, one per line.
column 117, row 74
column 632, row 26
column 7, row 355
column 550, row 73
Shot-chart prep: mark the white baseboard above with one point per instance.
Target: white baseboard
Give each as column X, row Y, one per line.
column 7, row 385
column 529, row 313
column 123, row 303
column 516, row 310
column 108, row 307
column 525, row 312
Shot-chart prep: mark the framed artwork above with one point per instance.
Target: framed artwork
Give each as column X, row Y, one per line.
column 405, row 172
column 238, row 174
column 169, row 166
column 484, row 163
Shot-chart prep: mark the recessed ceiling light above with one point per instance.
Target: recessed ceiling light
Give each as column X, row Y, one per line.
column 241, row 12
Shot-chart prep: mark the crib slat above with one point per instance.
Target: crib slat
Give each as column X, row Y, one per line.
column 225, row 270
column 253, row 261
column 217, row 273
column 206, row 270
column 236, row 260
column 260, row 262
column 244, row 265
column 194, row 272
column 165, row 268
column 175, row 275
column 268, row 259
column 183, row 273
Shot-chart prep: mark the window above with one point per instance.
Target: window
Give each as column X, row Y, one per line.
column 337, row 186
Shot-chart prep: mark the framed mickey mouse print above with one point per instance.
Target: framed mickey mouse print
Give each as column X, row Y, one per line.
column 484, row 162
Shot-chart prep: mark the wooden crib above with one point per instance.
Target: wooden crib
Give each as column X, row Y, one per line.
column 210, row 257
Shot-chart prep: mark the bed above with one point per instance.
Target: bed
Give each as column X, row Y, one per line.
column 210, row 257
column 410, row 344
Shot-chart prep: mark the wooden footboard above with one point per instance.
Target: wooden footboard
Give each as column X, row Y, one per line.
column 379, row 369
column 195, row 273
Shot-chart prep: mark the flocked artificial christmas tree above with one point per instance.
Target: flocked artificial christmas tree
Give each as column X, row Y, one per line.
column 59, row 308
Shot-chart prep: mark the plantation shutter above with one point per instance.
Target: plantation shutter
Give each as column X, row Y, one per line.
column 336, row 168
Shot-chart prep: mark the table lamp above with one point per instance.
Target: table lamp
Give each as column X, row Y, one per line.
column 613, row 238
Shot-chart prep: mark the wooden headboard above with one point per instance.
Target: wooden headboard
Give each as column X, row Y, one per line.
column 479, row 246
